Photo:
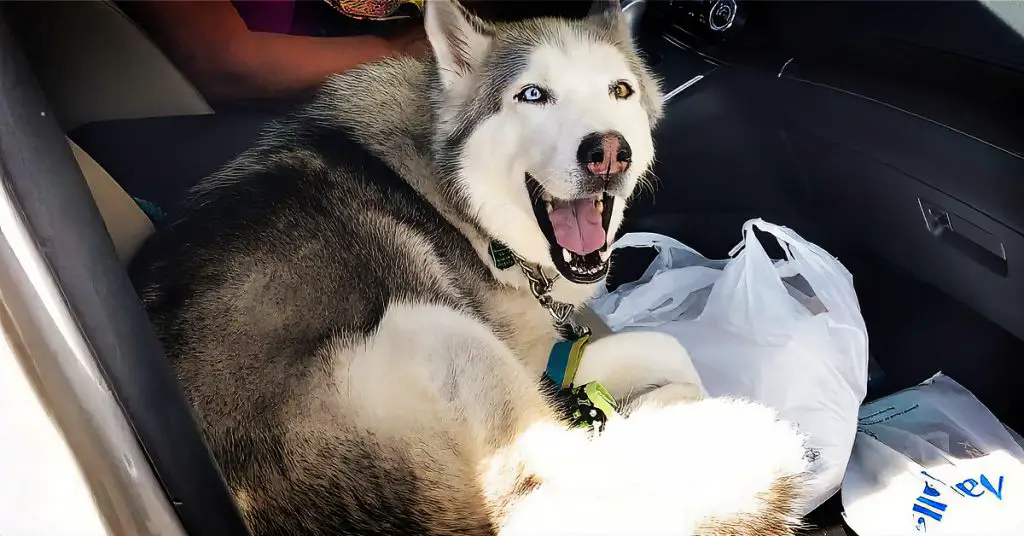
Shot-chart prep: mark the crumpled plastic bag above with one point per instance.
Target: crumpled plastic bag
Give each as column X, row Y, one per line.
column 932, row 459
column 788, row 334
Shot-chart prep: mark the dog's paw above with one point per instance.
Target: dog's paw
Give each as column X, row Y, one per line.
column 673, row 393
column 631, row 363
column 717, row 466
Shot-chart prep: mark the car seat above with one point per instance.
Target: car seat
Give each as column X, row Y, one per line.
column 126, row 223
column 95, row 64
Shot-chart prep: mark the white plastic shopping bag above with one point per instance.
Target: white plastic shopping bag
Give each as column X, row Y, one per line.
column 788, row 334
column 932, row 459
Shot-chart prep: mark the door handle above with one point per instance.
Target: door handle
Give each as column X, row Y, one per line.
column 965, row 237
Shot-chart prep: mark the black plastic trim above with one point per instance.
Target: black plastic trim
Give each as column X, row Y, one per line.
column 65, row 222
column 672, row 61
column 965, row 94
column 935, row 236
column 986, row 177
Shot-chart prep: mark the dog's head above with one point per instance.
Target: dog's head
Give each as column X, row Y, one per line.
column 544, row 129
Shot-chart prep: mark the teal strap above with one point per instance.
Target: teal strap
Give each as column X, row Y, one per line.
column 564, row 361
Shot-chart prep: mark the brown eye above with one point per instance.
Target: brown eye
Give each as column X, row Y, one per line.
column 621, row 90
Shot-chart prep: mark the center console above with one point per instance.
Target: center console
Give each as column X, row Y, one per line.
column 714, row 19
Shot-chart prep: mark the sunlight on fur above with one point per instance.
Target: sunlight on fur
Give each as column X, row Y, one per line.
column 672, row 466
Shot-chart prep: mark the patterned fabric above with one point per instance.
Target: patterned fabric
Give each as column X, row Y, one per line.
column 373, row 9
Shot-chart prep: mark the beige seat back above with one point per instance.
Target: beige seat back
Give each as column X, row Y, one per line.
column 126, row 224
column 95, row 64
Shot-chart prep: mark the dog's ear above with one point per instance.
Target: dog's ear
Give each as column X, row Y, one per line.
column 460, row 39
column 607, row 15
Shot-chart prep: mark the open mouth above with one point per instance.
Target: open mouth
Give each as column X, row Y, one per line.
column 577, row 231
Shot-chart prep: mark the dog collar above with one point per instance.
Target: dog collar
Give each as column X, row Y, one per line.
column 594, row 406
column 588, row 405
column 540, row 285
column 564, row 361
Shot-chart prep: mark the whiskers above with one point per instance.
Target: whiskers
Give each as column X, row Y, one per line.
column 540, row 185
column 648, row 182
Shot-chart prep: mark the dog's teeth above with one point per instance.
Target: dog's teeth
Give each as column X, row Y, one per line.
column 548, row 206
column 599, row 205
column 605, row 254
column 566, row 255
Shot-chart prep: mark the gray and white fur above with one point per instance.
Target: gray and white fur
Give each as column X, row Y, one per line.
column 360, row 367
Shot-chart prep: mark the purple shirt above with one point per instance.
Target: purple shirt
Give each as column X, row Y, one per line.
column 271, row 16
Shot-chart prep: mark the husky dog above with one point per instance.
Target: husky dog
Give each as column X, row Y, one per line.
column 361, row 359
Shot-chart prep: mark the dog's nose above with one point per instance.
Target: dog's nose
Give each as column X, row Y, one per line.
column 604, row 153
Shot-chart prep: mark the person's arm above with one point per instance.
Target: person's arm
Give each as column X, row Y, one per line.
column 211, row 44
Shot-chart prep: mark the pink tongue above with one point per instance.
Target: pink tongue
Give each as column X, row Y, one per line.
column 577, row 226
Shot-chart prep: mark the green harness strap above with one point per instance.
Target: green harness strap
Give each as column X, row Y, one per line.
column 593, row 404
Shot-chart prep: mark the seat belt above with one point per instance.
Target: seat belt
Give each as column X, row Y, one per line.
column 126, row 224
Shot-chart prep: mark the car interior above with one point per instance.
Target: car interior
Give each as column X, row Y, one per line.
column 886, row 132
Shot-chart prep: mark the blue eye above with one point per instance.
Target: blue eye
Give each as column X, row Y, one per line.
column 533, row 94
